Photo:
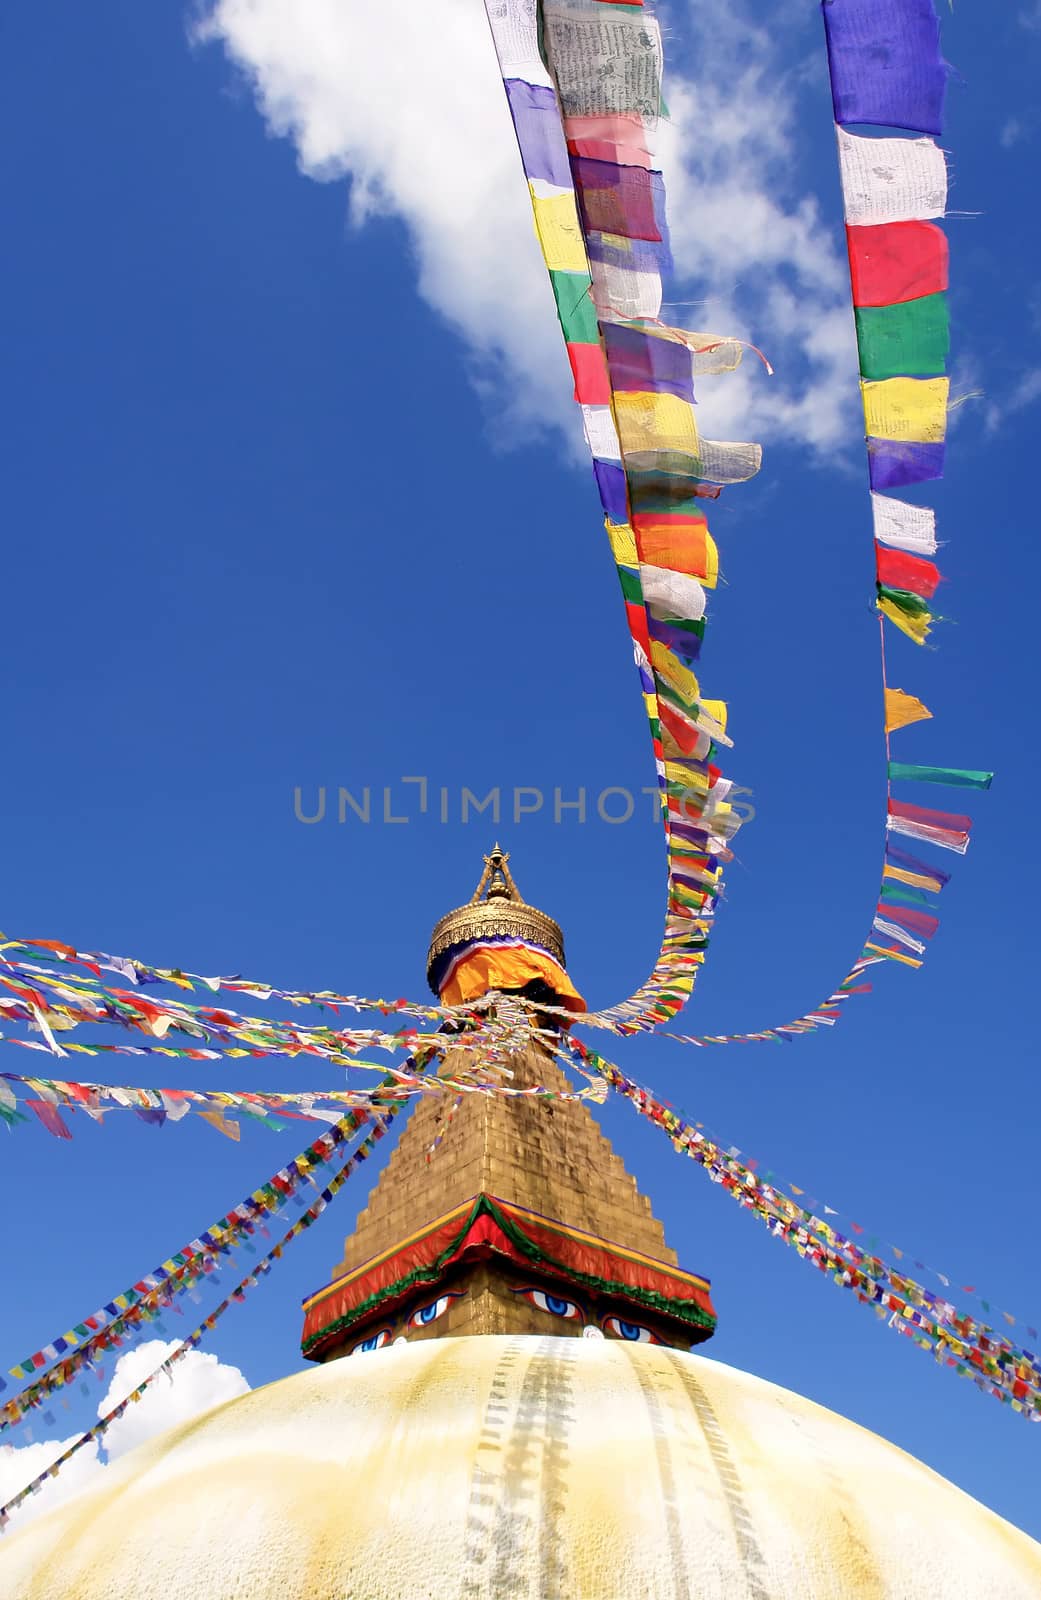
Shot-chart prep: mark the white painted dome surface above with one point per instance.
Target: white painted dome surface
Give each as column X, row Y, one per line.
column 553, row 1469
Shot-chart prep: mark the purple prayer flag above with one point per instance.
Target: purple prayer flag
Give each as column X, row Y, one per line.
column 690, row 878
column 638, row 362
column 51, row 1118
column 885, row 63
column 610, row 480
column 540, row 135
column 639, row 255
column 690, row 834
column 627, row 201
column 683, row 642
column 909, row 863
column 895, row 462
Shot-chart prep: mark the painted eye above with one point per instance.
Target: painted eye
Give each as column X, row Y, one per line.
column 634, row 1332
column 375, row 1341
column 427, row 1314
column 555, row 1304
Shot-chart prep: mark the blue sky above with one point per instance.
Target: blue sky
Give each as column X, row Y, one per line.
column 293, row 498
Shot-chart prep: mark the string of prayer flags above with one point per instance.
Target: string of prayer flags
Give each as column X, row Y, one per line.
column 81, row 1000
column 956, row 1339
column 583, row 84
column 159, row 1106
column 236, row 1296
column 54, row 1365
column 179, row 1274
column 142, row 974
column 886, row 71
column 803, row 1196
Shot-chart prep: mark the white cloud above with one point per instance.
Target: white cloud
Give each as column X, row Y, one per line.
column 197, row 1383
column 405, row 101
column 20, row 1464
column 1025, row 393
column 1012, row 132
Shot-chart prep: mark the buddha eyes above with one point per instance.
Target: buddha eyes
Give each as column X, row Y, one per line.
column 375, row 1341
column 634, row 1332
column 555, row 1304
column 428, row 1314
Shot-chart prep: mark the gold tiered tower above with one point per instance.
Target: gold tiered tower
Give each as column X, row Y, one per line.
column 527, row 1197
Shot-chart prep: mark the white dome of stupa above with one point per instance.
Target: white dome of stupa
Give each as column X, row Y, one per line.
column 493, row 1467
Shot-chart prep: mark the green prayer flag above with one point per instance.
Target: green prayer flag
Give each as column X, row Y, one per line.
column 573, row 292
column 910, row 340
column 899, row 894
column 911, row 604
column 956, row 777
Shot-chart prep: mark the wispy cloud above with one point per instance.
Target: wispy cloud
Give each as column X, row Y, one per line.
column 1024, row 393
column 406, row 104
column 195, row 1384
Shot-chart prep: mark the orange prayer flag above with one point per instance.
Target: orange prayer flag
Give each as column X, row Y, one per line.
column 902, row 709
column 217, row 1119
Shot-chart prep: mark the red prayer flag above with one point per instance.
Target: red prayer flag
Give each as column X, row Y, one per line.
column 51, row 1118
column 949, row 821
column 892, row 262
column 592, row 385
column 919, row 922
column 898, row 570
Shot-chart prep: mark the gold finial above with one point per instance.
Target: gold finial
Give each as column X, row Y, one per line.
column 496, row 881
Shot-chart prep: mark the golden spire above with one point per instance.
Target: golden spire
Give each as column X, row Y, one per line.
column 504, row 1212
column 496, row 879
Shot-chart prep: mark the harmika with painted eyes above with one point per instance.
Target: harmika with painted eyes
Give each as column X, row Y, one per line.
column 554, row 1305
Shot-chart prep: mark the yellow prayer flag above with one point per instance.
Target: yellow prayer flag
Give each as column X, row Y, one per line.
column 916, row 628
column 916, row 880
column 680, row 772
column 902, row 709
column 623, row 543
column 675, row 674
column 911, row 409
column 216, row 1119
column 655, row 422
column 711, row 577
column 907, row 961
column 558, row 232
column 717, row 710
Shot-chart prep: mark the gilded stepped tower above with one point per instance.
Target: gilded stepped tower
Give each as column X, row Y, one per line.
column 523, row 1220
column 470, row 1447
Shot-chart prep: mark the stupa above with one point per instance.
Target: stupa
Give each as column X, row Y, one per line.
column 505, row 1400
